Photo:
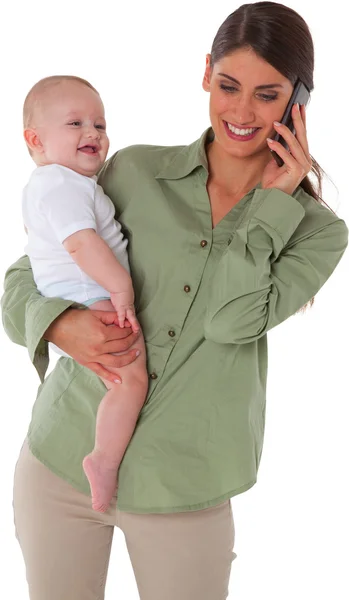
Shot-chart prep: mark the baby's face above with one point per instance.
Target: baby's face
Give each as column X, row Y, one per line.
column 72, row 128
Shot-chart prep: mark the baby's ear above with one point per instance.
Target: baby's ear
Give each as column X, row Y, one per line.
column 32, row 140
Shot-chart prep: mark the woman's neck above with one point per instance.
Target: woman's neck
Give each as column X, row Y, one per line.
column 235, row 175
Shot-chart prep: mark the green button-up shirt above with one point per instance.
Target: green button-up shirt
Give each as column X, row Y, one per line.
column 205, row 299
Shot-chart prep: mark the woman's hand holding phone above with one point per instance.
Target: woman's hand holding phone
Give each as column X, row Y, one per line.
column 297, row 162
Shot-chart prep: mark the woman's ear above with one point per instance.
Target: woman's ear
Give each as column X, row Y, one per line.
column 207, row 76
column 33, row 140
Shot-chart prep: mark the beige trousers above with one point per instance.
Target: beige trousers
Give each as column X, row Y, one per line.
column 66, row 545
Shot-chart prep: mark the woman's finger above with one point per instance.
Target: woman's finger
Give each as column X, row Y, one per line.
column 116, row 333
column 299, row 122
column 298, row 143
column 107, row 317
column 288, row 159
column 116, row 361
column 103, row 373
column 292, row 141
column 119, row 344
column 106, row 360
column 295, row 148
column 304, row 115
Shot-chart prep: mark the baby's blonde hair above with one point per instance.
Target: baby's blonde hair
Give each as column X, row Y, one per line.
column 35, row 95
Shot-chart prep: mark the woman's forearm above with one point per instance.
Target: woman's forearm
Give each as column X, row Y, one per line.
column 32, row 320
column 26, row 314
column 22, row 301
column 19, row 286
column 263, row 278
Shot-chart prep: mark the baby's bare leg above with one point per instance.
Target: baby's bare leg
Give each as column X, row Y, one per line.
column 116, row 419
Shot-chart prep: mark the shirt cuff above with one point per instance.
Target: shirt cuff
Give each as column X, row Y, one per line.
column 279, row 210
column 39, row 317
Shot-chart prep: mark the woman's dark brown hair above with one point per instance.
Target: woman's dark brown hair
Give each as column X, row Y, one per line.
column 282, row 38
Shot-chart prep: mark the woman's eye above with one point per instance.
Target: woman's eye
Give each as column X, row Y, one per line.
column 267, row 98
column 232, row 89
column 228, row 88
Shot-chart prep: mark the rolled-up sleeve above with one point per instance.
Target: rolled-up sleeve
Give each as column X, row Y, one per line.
column 269, row 271
column 26, row 314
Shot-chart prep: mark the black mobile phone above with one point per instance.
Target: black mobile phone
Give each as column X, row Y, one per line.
column 300, row 94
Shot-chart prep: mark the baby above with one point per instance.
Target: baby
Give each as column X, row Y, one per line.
column 77, row 250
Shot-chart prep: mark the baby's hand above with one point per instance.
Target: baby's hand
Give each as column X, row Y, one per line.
column 125, row 309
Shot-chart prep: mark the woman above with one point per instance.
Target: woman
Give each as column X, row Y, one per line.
column 224, row 245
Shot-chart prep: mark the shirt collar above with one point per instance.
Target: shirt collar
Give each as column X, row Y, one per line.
column 188, row 158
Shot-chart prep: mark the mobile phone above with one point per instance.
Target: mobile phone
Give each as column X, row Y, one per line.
column 300, row 94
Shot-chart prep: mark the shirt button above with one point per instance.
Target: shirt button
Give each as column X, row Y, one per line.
column 187, row 288
column 153, row 376
column 171, row 333
column 203, row 243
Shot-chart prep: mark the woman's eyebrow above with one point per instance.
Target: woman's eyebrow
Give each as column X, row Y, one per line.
column 258, row 87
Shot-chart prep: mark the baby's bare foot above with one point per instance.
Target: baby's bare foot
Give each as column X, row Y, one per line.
column 102, row 478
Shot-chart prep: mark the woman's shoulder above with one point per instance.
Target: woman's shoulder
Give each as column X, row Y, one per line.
column 134, row 166
column 144, row 161
column 147, row 157
column 130, row 169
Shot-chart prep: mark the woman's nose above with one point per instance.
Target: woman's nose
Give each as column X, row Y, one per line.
column 243, row 112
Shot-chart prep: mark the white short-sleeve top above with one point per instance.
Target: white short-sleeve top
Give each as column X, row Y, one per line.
column 56, row 203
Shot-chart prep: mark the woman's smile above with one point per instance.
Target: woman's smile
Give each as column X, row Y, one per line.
column 241, row 135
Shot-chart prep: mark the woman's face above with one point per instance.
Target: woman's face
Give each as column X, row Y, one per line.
column 246, row 95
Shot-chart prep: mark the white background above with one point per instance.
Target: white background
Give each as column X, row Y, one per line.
column 147, row 60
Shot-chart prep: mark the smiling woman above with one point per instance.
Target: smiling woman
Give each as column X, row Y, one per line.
column 243, row 107
column 272, row 46
column 262, row 50
column 224, row 245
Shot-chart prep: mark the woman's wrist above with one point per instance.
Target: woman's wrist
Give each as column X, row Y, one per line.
column 51, row 332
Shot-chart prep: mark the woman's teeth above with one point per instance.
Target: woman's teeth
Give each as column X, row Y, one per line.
column 241, row 131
